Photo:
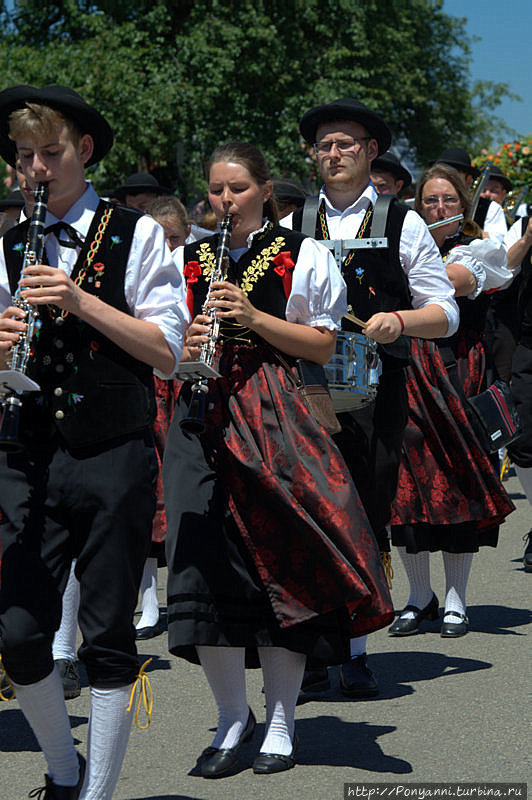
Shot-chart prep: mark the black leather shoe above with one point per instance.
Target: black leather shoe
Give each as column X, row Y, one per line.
column 268, row 763
column 50, row 791
column 68, row 672
column 150, row 631
column 357, row 680
column 219, row 762
column 451, row 630
column 406, row 627
column 527, row 558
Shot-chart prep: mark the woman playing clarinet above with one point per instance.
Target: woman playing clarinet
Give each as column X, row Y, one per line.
column 270, row 554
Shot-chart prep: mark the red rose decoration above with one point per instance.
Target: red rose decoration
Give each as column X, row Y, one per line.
column 283, row 267
column 192, row 271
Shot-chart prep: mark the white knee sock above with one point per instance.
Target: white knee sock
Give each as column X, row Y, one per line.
column 43, row 705
column 109, row 728
column 283, row 673
column 148, row 591
column 358, row 646
column 457, row 567
column 64, row 645
column 525, row 477
column 417, row 568
column 225, row 671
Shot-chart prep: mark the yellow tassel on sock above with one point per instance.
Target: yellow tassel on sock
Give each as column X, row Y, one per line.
column 145, row 697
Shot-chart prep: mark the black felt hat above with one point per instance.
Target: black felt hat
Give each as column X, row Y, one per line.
column 347, row 108
column 458, row 158
column 64, row 100
column 14, row 199
column 498, row 175
column 390, row 163
column 140, row 182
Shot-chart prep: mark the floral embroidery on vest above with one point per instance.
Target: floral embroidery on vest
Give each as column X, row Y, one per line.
column 260, row 264
column 207, row 259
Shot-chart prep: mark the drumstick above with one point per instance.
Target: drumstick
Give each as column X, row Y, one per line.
column 356, row 320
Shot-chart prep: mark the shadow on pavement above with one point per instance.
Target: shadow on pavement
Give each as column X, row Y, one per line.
column 394, row 672
column 16, row 736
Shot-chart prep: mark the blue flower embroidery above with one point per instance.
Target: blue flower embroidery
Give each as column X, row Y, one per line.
column 115, row 240
column 19, row 247
column 359, row 272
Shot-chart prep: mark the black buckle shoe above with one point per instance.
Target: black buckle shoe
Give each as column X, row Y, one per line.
column 268, row 763
column 357, row 680
column 68, row 672
column 527, row 557
column 219, row 762
column 50, row 791
column 451, row 630
column 406, row 627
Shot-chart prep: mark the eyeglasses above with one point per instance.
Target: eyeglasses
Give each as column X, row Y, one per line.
column 343, row 145
column 435, row 201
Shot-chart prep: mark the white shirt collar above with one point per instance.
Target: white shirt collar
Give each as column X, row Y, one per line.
column 369, row 195
column 81, row 213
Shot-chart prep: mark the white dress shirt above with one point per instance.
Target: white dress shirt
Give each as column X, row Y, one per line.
column 418, row 253
column 487, row 261
column 153, row 287
column 319, row 294
column 495, row 223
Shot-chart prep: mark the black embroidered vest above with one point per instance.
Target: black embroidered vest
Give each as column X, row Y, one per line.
column 91, row 390
column 254, row 272
column 376, row 281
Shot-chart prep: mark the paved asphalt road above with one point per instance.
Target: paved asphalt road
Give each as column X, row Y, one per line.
column 448, row 710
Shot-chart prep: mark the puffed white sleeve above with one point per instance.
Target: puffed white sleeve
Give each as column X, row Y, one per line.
column 319, row 295
column 487, row 261
column 154, row 286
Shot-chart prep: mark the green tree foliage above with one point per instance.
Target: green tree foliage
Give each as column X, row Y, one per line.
column 177, row 78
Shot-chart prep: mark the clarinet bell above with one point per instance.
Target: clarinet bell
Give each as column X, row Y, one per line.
column 194, row 422
column 9, row 427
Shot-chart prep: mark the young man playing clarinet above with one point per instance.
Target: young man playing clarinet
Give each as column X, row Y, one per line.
column 400, row 290
column 111, row 308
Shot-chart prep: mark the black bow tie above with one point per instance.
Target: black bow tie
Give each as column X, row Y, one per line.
column 74, row 241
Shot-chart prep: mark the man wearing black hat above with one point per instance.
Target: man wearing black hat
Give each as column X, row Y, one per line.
column 388, row 174
column 400, row 289
column 489, row 214
column 83, row 484
column 497, row 186
column 139, row 190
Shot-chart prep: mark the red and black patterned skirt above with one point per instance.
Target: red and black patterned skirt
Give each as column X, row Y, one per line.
column 449, row 494
column 267, row 541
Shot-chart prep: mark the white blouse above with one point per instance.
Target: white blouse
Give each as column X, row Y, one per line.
column 319, row 293
column 487, row 261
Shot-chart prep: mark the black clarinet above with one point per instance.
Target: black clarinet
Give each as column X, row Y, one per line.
column 20, row 352
column 194, row 422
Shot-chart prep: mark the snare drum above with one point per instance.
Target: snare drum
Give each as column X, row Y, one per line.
column 353, row 372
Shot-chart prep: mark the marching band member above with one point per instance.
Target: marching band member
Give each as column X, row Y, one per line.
column 401, row 291
column 489, row 215
column 270, row 554
column 449, row 496
column 111, row 309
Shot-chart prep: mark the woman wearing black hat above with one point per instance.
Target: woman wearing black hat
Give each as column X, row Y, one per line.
column 82, row 486
column 449, row 496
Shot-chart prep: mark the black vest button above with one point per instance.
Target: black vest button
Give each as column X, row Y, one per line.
column 58, row 391
column 59, row 414
column 59, row 368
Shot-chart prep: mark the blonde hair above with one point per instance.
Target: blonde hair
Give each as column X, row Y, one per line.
column 40, row 121
column 167, row 205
